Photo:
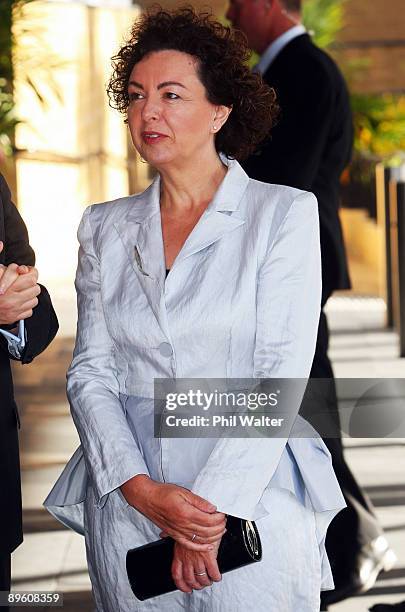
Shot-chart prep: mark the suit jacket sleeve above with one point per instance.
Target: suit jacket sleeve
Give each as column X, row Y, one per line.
column 111, row 454
column 41, row 328
column 293, row 153
column 288, row 308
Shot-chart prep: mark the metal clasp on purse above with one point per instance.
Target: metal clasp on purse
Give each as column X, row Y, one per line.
column 251, row 540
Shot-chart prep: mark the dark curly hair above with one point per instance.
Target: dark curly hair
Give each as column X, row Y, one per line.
column 222, row 68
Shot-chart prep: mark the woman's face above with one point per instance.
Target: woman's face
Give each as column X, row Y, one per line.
column 169, row 116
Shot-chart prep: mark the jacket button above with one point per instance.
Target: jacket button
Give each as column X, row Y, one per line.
column 165, row 349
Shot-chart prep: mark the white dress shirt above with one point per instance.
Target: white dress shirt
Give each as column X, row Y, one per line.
column 15, row 343
column 276, row 47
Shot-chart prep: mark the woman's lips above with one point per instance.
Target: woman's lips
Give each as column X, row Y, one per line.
column 152, row 137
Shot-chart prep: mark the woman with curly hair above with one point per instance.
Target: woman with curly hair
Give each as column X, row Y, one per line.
column 206, row 274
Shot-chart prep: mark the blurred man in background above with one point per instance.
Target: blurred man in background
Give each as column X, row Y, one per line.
column 27, row 325
column 309, row 148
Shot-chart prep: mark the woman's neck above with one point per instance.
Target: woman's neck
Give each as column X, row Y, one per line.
column 187, row 189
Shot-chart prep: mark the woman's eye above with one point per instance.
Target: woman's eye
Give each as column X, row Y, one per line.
column 135, row 96
column 172, row 96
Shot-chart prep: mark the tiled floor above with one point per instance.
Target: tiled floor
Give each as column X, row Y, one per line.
column 53, row 558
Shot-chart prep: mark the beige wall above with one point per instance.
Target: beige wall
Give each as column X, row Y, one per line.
column 374, row 20
column 73, row 150
column 375, row 32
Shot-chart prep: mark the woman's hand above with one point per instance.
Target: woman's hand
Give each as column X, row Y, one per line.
column 195, row 570
column 189, row 519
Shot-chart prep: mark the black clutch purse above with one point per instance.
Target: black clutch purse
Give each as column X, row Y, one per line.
column 149, row 566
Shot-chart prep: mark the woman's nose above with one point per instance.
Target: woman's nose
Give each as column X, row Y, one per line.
column 151, row 110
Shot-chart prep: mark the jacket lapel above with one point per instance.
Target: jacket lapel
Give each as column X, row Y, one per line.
column 221, row 216
column 141, row 235
column 141, row 232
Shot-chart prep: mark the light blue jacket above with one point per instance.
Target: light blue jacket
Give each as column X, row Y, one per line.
column 242, row 300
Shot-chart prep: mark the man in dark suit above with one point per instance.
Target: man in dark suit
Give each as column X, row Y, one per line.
column 309, row 148
column 21, row 298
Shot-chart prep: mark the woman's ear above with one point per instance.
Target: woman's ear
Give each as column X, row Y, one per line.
column 220, row 117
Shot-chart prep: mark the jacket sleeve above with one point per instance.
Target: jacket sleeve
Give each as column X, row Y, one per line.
column 41, row 328
column 16, row 245
column 111, row 454
column 288, row 308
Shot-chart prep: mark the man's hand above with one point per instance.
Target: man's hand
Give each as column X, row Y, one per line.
column 18, row 292
column 189, row 519
column 9, row 274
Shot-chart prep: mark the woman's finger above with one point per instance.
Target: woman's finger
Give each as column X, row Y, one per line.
column 211, row 540
column 204, row 519
column 201, row 575
column 189, row 576
column 198, row 539
column 192, row 545
column 199, row 502
column 203, row 537
column 177, row 575
column 206, row 535
column 189, row 527
column 194, row 534
column 212, row 568
column 185, row 540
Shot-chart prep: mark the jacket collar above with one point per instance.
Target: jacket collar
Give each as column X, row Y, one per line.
column 276, row 47
column 226, row 199
column 232, row 188
column 141, row 230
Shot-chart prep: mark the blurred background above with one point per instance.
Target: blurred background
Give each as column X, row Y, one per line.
column 62, row 148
